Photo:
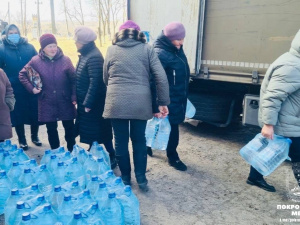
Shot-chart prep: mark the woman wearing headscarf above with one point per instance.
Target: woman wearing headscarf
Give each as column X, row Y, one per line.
column 91, row 92
column 57, row 97
column 128, row 66
column 15, row 52
column 170, row 52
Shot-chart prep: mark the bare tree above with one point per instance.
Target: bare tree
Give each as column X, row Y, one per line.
column 75, row 11
column 66, row 15
column 116, row 7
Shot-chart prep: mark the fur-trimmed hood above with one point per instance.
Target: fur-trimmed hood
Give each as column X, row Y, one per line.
column 126, row 34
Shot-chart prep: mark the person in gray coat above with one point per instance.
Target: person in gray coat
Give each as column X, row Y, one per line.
column 128, row 67
column 279, row 109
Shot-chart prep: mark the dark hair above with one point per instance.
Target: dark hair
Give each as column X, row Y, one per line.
column 129, row 33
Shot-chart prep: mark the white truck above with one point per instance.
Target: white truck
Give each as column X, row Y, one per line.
column 229, row 45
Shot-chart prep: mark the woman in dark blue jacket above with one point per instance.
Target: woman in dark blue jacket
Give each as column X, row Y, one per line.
column 15, row 53
column 170, row 52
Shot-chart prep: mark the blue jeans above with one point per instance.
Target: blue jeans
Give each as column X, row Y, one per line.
column 135, row 129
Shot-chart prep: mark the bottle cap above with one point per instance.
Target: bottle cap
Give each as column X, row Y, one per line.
column 26, row 216
column 47, row 152
column 67, row 197
column 94, row 178
column 57, row 188
column 2, row 173
column 40, row 197
column 15, row 163
column 53, row 156
column 27, row 170
column 33, row 161
column 43, row 166
column 99, row 148
column 15, row 191
column 102, row 185
column 75, row 183
column 60, row 163
column 5, row 154
column 86, row 192
column 47, row 207
column 100, row 159
column 20, row 205
column 95, row 205
column 77, row 215
column 34, row 186
column 111, row 195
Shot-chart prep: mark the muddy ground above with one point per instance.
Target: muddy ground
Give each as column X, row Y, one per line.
column 213, row 189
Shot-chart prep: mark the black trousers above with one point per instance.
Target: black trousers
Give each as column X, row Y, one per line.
column 173, row 143
column 294, row 154
column 135, row 129
column 53, row 134
column 20, row 130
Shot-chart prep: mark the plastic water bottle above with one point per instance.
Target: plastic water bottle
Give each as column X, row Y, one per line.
column 265, row 155
column 94, row 214
column 90, row 167
column 56, row 198
column 14, row 174
column 112, row 210
column 190, row 110
column 101, row 194
column 26, row 179
column 76, row 150
column 103, row 167
column 46, row 157
column 29, row 192
column 59, row 174
column 47, row 216
column 82, row 156
column 151, row 130
column 52, row 165
column 21, row 155
column 78, row 219
column 4, row 190
column 66, row 156
column 93, row 185
column 75, row 188
column 117, row 186
column 131, row 207
column 162, row 136
column 108, row 177
column 6, row 145
column 36, row 201
column 74, row 171
column 16, row 216
column 31, row 163
column 58, row 150
column 6, row 162
column 65, row 211
column 11, row 203
column 99, row 152
column 84, row 199
column 26, row 219
column 44, row 180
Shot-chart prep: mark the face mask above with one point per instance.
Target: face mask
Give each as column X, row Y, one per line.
column 14, row 38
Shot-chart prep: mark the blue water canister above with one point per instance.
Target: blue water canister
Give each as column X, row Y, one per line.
column 66, row 210
column 78, row 219
column 16, row 216
column 46, row 216
column 84, row 200
column 36, row 201
column 52, row 164
column 102, row 166
column 26, row 219
column 190, row 110
column 108, row 177
column 45, row 180
column 130, row 205
column 151, row 130
column 117, row 186
column 90, row 167
column 93, row 185
column 265, row 155
column 14, row 174
column 74, row 171
column 58, row 150
column 162, row 136
column 94, row 215
column 6, row 162
column 11, row 202
column 4, row 190
column 21, row 155
column 112, row 210
column 98, row 151
column 75, row 188
column 31, row 163
column 59, row 174
column 46, row 157
column 56, row 197
column 101, row 194
column 26, row 178
column 29, row 192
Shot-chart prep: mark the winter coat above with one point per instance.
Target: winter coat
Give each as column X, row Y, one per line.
column 58, row 91
column 127, row 71
column 6, row 105
column 177, row 69
column 280, row 93
column 91, row 92
column 12, row 59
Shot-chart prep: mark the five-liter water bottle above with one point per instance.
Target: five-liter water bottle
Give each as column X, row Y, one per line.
column 78, row 219
column 16, row 216
column 112, row 210
column 56, row 197
column 45, row 180
column 46, row 157
column 75, row 188
column 31, row 163
column 6, row 162
column 93, row 184
column 58, row 150
column 26, row 178
column 74, row 171
column 46, row 216
column 90, row 167
column 190, row 110
column 11, row 203
column 59, row 174
column 117, row 186
column 99, row 152
column 36, row 201
column 101, row 194
column 130, row 205
column 29, row 192
column 21, row 155
column 162, row 136
column 265, row 155
column 52, row 164
column 108, row 177
column 151, row 130
column 102, row 166
column 6, row 145
column 84, row 199
column 66, row 210
column 94, row 214
column 4, row 189
column 14, row 174
column 26, row 219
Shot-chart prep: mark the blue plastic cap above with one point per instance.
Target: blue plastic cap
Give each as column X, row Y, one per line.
column 95, row 205
column 111, row 195
column 43, row 166
column 47, row 207
column 67, row 153
column 14, row 147
column 86, row 192
column 27, row 170
column 61, row 149
column 15, row 191
column 15, row 163
column 47, row 152
column 94, row 178
column 110, row 172
column 26, row 216
column 53, row 156
column 81, row 151
column 74, row 159
column 40, row 197
column 67, row 197
column 20, row 205
column 95, row 143
column 75, row 183
column 5, row 154
column 7, row 142
column 34, row 186
column 57, row 188
column 127, row 188
column 118, row 180
column 77, row 215
column 60, row 163
column 102, row 185
column 2, row 173
column 20, row 150
column 99, row 148
column 32, row 161
column 100, row 159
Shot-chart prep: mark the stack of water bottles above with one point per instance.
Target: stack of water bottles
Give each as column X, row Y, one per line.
column 66, row 188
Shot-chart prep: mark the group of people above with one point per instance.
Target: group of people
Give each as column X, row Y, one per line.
column 114, row 97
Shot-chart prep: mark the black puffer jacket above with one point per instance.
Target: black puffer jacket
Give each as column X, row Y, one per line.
column 177, row 69
column 91, row 92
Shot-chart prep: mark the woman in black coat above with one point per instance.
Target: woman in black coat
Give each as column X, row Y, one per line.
column 91, row 93
column 170, row 52
column 15, row 53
